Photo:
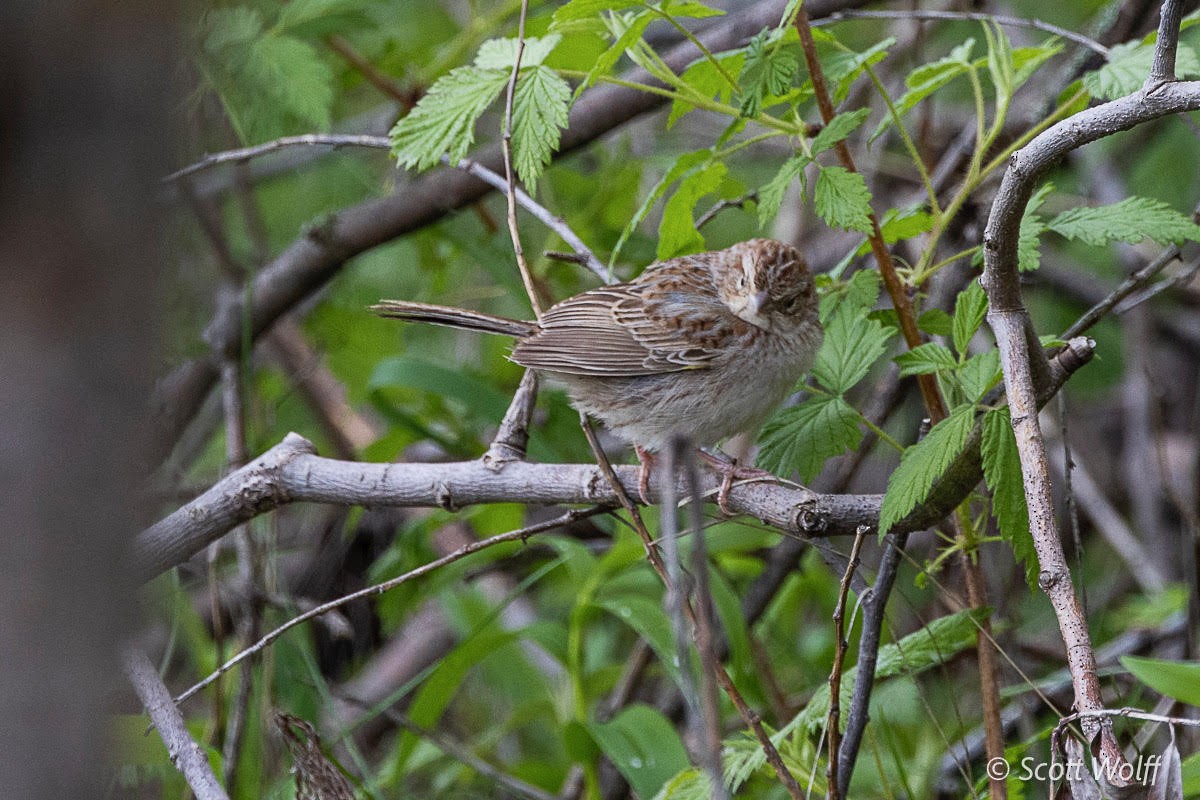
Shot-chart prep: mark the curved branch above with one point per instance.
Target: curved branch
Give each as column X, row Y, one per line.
column 1017, row 343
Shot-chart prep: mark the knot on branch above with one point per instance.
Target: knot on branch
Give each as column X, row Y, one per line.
column 1077, row 352
column 444, row 497
column 809, row 521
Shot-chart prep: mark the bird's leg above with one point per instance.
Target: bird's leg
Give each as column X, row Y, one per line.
column 646, row 460
column 730, row 471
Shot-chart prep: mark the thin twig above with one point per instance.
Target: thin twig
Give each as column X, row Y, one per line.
column 1162, row 69
column 721, row 205
column 896, row 290
column 520, row 534
column 187, row 756
column 874, row 608
column 840, row 644
column 554, row 223
column 510, row 175
column 998, row 19
column 244, row 154
column 710, row 717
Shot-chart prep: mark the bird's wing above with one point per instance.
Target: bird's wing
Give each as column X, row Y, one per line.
column 668, row 320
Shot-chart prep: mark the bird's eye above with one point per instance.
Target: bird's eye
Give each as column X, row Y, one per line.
column 741, row 280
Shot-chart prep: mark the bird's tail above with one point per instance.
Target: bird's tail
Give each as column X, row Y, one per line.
column 453, row 317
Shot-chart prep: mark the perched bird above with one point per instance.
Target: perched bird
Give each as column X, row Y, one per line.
column 701, row 346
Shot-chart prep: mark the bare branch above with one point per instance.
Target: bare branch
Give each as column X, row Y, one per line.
column 1015, row 338
column 840, row 644
column 1162, row 70
column 187, row 756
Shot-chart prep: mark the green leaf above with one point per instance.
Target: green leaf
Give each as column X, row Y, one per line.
column 443, row 122
column 1002, row 473
column 936, row 322
column 647, row 619
column 690, row 8
column 969, row 310
column 936, row 643
column 481, row 398
column 852, row 344
column 768, row 70
column 842, row 199
column 770, row 196
column 978, row 374
column 999, row 62
column 677, row 233
column 1026, row 60
column 704, row 77
column 925, row 359
column 582, row 9
column 643, row 745
column 540, row 105
column 502, row 53
column 927, row 79
column 800, row 438
column 297, row 13
column 843, row 66
column 1029, row 255
column 1129, row 65
column 838, row 129
column 1177, row 679
column 684, row 164
column 1131, row 220
column 627, row 30
column 230, row 27
column 922, row 464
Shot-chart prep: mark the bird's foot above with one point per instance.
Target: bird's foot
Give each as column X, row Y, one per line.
column 646, row 460
column 730, row 470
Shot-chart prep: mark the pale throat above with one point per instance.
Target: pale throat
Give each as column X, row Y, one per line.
column 748, row 302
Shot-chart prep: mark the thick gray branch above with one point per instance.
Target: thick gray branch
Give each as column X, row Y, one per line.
column 1019, row 355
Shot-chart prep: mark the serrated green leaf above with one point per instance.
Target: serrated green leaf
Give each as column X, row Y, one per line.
column 643, row 745
column 838, row 129
column 291, row 73
column 1002, row 474
column 969, row 310
column 692, row 9
column 677, row 233
column 934, row 644
column 684, row 164
column 502, row 53
column 925, row 359
column 443, row 122
column 1131, row 220
column 1026, row 60
column 1177, row 679
column 843, row 66
column 927, row 79
column 1029, row 256
column 1129, row 65
column 922, row 464
column 301, row 12
column 770, row 196
column 801, row 438
column 898, row 224
column 842, row 199
column 627, row 30
column 540, row 104
column 936, row 322
column 978, row 374
column 582, row 9
column 856, row 296
column 852, row 344
column 768, row 70
column 231, row 27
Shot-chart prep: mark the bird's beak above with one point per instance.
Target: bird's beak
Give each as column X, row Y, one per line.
column 758, row 302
